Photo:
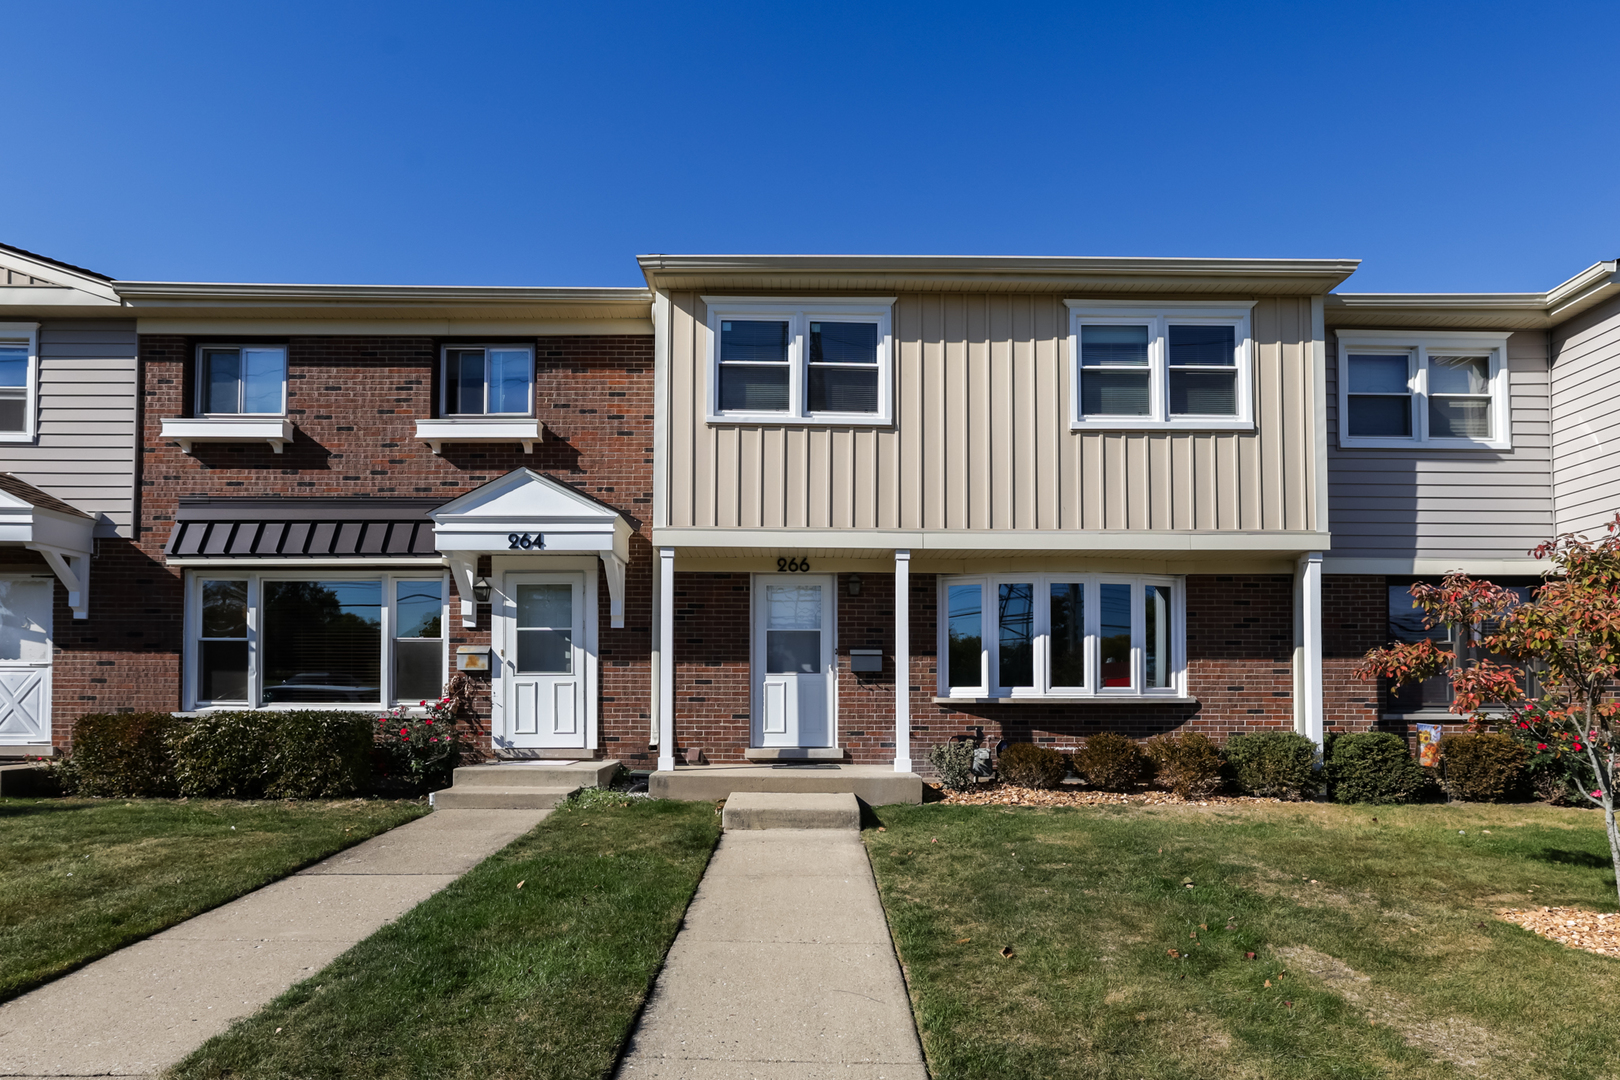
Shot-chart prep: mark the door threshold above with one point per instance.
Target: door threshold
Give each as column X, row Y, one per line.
column 807, row 765
column 794, row 753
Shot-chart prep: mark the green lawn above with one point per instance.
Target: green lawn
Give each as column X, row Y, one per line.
column 82, row 877
column 1374, row 925
column 533, row 965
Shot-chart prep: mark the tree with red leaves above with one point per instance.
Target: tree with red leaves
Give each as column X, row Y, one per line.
column 1569, row 631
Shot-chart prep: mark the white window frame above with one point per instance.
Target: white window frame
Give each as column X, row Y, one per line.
column 467, row 346
column 255, row 580
column 25, row 334
column 1043, row 690
column 1158, row 318
column 799, row 313
column 1418, row 346
column 202, row 378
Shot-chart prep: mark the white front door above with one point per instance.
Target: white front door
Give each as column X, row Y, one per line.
column 25, row 661
column 544, row 660
column 793, row 660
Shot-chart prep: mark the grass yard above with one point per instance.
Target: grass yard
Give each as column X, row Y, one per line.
column 82, row 877
column 1376, row 950
column 532, row 965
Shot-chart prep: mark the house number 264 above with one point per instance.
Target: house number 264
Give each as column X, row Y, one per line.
column 793, row 566
column 525, row 541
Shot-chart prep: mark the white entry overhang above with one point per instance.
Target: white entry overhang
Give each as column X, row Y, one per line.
column 36, row 521
column 526, row 513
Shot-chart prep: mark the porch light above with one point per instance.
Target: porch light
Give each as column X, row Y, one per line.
column 481, row 590
column 854, row 584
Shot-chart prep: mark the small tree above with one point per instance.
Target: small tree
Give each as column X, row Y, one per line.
column 1570, row 631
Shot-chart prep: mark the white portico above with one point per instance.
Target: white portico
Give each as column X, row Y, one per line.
column 544, row 541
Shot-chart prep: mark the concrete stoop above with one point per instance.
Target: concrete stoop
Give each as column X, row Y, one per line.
column 749, row 810
column 531, row 785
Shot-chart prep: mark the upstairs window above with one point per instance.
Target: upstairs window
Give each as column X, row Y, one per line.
column 492, row 380
column 242, row 380
column 1150, row 367
column 1398, row 389
column 792, row 361
column 18, row 380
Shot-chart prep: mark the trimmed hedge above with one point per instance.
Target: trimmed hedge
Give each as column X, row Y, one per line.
column 1110, row 762
column 953, row 764
column 1373, row 767
column 1276, row 764
column 121, row 755
column 1483, row 767
column 1028, row 765
column 1189, row 763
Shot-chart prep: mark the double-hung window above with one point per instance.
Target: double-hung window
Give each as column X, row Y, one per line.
column 1151, row 366
column 1444, row 390
column 783, row 361
column 19, row 380
column 242, row 380
column 488, row 380
column 1061, row 635
column 261, row 638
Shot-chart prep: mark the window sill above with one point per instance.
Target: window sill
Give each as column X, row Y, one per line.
column 1124, row 424
column 1122, row 699
column 1467, row 445
column 523, row 430
column 274, row 430
column 784, row 420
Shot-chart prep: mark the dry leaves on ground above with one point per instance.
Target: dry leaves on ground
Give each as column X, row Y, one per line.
column 1593, row 931
column 1009, row 795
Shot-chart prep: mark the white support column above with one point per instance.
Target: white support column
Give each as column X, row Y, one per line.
column 1310, row 708
column 902, row 661
column 666, row 658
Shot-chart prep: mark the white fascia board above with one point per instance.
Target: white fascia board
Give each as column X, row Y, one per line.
column 383, row 327
column 35, row 296
column 58, row 275
column 985, row 540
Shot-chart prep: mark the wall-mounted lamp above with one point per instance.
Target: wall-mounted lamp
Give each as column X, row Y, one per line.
column 481, row 590
column 854, row 584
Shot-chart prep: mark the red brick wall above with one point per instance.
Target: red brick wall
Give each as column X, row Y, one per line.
column 1355, row 618
column 712, row 615
column 355, row 401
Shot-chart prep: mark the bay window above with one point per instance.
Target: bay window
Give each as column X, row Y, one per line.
column 1444, row 390
column 315, row 639
column 1142, row 366
column 1060, row 635
column 785, row 361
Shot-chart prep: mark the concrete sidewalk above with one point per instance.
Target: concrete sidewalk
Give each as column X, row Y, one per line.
column 783, row 969
column 143, row 1008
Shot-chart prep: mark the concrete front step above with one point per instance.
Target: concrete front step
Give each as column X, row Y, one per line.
column 537, row 774
column 788, row 810
column 484, row 797
column 875, row 785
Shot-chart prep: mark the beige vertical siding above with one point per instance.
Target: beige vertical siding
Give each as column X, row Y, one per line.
column 1586, row 420
column 981, row 438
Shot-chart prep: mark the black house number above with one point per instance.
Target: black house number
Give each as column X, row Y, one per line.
column 525, row 541
column 793, row 566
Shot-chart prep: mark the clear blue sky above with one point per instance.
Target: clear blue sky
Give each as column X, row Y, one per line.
column 1466, row 146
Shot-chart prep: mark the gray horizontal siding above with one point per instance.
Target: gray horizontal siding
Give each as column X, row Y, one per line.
column 85, row 452
column 1586, row 404
column 1435, row 504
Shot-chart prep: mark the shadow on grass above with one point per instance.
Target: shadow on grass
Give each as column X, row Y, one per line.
column 10, row 808
column 1572, row 858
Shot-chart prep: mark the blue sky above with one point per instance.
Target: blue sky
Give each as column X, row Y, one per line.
column 1450, row 146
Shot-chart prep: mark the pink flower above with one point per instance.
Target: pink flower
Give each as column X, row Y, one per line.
column 428, row 722
column 1523, row 724
column 402, row 731
column 1598, row 794
column 434, row 739
column 1578, row 746
column 1541, row 746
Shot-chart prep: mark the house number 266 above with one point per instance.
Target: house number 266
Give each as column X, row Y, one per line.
column 793, row 566
column 525, row 541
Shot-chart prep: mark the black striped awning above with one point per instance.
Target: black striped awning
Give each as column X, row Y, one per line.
column 302, row 528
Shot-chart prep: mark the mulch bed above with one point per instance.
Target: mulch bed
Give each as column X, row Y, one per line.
column 1592, row 931
column 1010, row 795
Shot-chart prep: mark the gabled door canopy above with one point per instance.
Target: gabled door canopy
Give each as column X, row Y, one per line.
column 37, row 521
column 524, row 512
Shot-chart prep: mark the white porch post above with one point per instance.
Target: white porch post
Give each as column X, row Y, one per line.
column 1310, row 709
column 666, row 658
column 902, row 661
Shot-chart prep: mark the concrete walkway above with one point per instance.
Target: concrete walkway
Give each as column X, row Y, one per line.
column 143, row 1008
column 783, row 969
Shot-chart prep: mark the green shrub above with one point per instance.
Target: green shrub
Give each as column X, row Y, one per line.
column 1110, row 762
column 298, row 754
column 953, row 764
column 1483, row 767
column 1028, row 765
column 1276, row 764
column 1189, row 764
column 122, row 755
column 425, row 748
column 1373, row 767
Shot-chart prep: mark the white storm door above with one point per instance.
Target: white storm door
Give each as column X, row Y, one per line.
column 25, row 661
column 545, row 660
column 793, row 660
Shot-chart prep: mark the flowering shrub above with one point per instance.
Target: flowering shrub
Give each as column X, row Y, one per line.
column 422, row 747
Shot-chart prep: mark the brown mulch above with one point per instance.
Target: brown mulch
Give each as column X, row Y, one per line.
column 1009, row 795
column 1592, row 931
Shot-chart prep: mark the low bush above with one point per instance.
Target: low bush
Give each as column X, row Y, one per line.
column 1274, row 764
column 1028, row 765
column 424, row 749
column 953, row 764
column 1189, row 764
column 1110, row 762
column 297, row 754
column 1373, row 767
column 1483, row 767
column 121, row 755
